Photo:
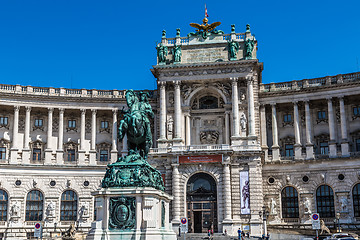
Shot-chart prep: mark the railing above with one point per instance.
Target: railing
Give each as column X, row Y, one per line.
column 309, row 83
column 290, row 220
column 199, row 148
column 186, row 41
column 29, row 90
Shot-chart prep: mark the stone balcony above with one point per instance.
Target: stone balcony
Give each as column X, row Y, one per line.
column 310, row 83
column 216, row 148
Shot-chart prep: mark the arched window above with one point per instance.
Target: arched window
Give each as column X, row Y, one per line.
column 356, row 200
column 68, row 209
column 289, row 203
column 3, row 205
column 325, row 201
column 34, row 206
column 208, row 102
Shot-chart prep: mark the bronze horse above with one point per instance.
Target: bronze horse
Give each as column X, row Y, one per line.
column 136, row 123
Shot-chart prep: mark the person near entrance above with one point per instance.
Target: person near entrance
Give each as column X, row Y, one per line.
column 239, row 234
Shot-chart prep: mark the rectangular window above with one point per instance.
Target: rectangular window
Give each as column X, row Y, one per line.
column 38, row 122
column 356, row 111
column 36, row 154
column 321, row 115
column 71, row 155
column 357, row 143
column 72, row 123
column 3, row 121
column 287, row 118
column 324, row 148
column 104, row 155
column 104, row 124
column 2, row 153
column 289, row 150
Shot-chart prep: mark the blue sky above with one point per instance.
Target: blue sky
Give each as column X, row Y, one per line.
column 110, row 44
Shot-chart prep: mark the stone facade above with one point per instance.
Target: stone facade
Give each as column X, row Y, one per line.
column 228, row 146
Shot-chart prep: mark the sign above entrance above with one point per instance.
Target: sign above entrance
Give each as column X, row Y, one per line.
column 201, row 159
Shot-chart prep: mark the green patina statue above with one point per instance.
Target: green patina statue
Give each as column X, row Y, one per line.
column 249, row 46
column 133, row 170
column 233, row 48
column 162, row 52
column 176, row 51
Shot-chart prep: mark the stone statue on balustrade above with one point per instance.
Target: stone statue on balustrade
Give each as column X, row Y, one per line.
column 249, row 46
column 233, row 48
column 177, row 53
column 133, row 170
column 162, row 52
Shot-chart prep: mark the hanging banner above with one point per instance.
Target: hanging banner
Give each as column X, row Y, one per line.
column 245, row 192
column 200, row 159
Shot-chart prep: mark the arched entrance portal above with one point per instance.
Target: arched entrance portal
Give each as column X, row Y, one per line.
column 201, row 203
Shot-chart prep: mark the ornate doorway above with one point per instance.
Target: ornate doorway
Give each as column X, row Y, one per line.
column 201, row 203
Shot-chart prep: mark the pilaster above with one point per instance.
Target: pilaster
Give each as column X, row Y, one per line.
column 14, row 146
column 275, row 147
column 48, row 150
column 308, row 126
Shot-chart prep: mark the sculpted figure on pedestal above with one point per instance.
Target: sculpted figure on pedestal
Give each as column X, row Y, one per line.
column 177, row 53
column 243, row 122
column 233, row 49
column 136, row 123
column 249, row 46
column 162, row 52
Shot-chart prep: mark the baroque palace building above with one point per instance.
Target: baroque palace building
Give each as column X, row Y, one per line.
column 230, row 148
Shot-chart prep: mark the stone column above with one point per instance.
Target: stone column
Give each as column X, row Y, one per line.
column 227, row 191
column 26, row 150
column 235, row 111
column 48, row 151
column 275, row 147
column 309, row 144
column 82, row 137
column 114, row 151
column 256, row 196
column 60, row 150
column 92, row 152
column 344, row 139
column 297, row 145
column 332, row 142
column 177, row 114
column 162, row 124
column 227, row 127
column 176, row 194
column 250, row 81
column 264, row 145
column 188, row 129
column 14, row 145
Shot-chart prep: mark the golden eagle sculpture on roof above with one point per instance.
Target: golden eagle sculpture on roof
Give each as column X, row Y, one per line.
column 205, row 29
column 205, row 26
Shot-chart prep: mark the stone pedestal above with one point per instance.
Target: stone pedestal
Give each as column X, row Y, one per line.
column 132, row 213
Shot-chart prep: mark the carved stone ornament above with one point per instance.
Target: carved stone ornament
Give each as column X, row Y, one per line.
column 21, row 124
column 88, row 126
column 122, row 213
column 84, row 210
column 55, row 126
column 209, row 137
column 50, row 210
column 132, row 171
column 15, row 210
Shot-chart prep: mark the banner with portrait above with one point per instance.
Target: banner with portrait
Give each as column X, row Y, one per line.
column 244, row 192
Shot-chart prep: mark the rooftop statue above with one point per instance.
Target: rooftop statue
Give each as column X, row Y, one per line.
column 205, row 29
column 133, row 170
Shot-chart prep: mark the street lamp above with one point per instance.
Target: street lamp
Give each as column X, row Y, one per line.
column 55, row 224
column 264, row 214
column 338, row 221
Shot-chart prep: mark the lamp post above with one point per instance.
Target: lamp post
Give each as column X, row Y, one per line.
column 338, row 221
column 55, row 224
column 264, row 214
